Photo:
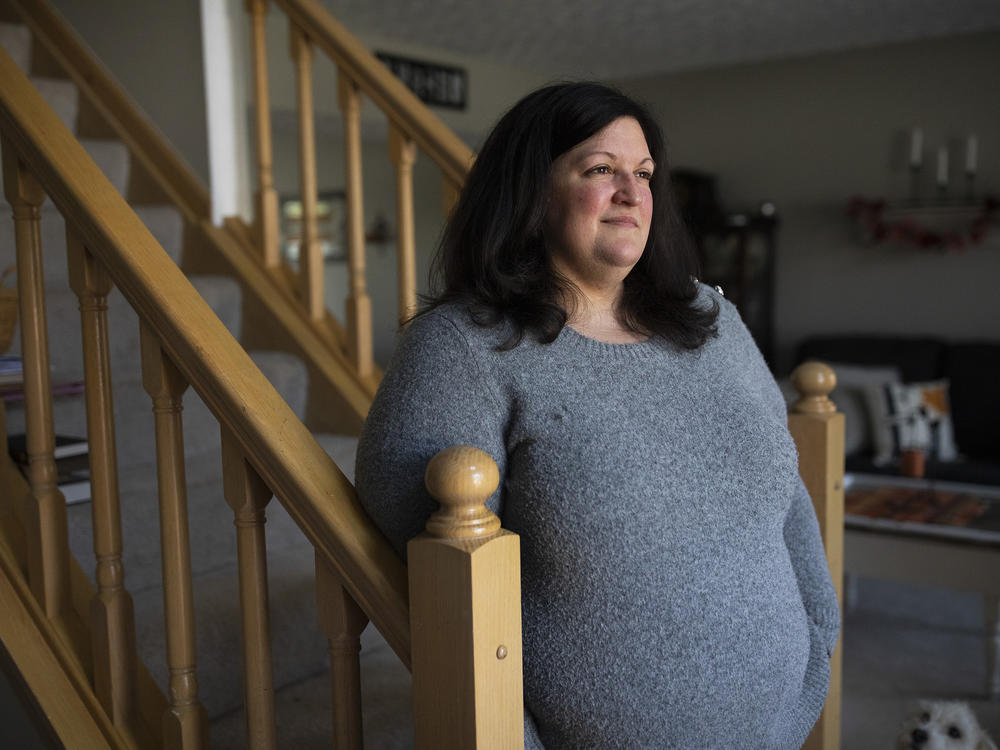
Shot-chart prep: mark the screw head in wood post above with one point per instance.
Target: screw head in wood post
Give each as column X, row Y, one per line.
column 814, row 381
column 461, row 479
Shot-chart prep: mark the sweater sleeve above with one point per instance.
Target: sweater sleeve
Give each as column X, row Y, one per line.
column 434, row 395
column 805, row 547
column 801, row 529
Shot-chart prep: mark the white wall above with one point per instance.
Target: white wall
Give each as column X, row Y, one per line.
column 811, row 133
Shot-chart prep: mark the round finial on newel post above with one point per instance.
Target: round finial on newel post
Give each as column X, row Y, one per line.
column 814, row 381
column 462, row 478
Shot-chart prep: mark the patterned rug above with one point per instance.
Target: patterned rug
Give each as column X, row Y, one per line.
column 915, row 505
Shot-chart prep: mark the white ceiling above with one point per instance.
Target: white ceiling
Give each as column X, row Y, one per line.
column 626, row 38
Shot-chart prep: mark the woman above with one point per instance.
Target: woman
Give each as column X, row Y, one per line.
column 675, row 592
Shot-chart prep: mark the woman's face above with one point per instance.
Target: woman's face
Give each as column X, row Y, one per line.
column 600, row 206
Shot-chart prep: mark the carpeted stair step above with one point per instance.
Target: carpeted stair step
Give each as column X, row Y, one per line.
column 15, row 39
column 222, row 294
column 342, row 449
column 62, row 95
column 113, row 159
column 302, row 709
column 288, row 375
column 167, row 225
column 298, row 645
column 133, row 415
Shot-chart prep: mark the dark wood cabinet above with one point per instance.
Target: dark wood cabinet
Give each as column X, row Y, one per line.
column 737, row 253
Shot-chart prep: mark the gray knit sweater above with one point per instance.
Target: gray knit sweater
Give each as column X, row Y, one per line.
column 675, row 591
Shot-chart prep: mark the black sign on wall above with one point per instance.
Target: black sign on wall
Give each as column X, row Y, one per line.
column 438, row 85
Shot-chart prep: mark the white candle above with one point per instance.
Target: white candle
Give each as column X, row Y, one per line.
column 942, row 166
column 916, row 147
column 971, row 154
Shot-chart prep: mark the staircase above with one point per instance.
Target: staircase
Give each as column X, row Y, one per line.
column 301, row 676
column 240, row 602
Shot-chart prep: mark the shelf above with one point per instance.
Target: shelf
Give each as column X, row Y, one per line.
column 946, row 226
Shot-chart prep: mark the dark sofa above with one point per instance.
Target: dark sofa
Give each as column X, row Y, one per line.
column 973, row 371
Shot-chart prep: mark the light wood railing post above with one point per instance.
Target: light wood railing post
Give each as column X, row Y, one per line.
column 465, row 612
column 359, row 306
column 184, row 722
column 267, row 196
column 450, row 191
column 819, row 435
column 112, row 620
column 310, row 255
column 247, row 495
column 45, row 510
column 403, row 152
column 342, row 620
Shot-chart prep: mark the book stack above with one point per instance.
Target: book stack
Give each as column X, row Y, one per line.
column 11, row 370
column 72, row 458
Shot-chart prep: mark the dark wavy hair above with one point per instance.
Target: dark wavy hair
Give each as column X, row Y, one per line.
column 492, row 257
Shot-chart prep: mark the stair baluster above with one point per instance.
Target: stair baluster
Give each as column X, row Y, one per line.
column 184, row 723
column 359, row 306
column 449, row 194
column 44, row 513
column 310, row 253
column 112, row 618
column 248, row 495
column 403, row 152
column 819, row 435
column 267, row 196
column 342, row 621
column 465, row 612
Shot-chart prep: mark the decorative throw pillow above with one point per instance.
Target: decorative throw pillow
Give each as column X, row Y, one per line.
column 912, row 416
column 853, row 381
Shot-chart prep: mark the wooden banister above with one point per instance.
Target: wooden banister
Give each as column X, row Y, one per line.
column 411, row 126
column 818, row 430
column 112, row 618
column 267, row 196
column 310, row 253
column 359, row 306
column 248, row 495
column 184, row 721
column 377, row 83
column 465, row 612
column 403, row 153
column 342, row 621
column 46, row 508
column 275, row 442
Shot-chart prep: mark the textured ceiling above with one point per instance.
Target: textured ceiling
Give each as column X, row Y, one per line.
column 626, row 38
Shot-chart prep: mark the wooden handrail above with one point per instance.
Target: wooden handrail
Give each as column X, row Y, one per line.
column 281, row 449
column 465, row 613
column 818, row 430
column 378, row 83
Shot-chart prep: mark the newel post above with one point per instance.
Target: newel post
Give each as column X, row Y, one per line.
column 465, row 612
column 818, row 431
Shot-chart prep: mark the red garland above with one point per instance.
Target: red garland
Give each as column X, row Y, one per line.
column 869, row 214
